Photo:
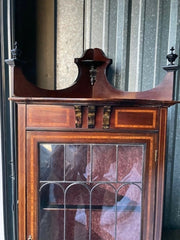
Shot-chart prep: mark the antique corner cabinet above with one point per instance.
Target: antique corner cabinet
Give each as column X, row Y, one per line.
column 91, row 158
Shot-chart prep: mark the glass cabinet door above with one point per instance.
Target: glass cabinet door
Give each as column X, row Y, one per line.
column 90, row 191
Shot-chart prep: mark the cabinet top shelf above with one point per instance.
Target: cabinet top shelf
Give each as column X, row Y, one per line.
column 91, row 85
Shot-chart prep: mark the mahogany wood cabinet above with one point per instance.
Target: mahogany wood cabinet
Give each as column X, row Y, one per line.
column 91, row 158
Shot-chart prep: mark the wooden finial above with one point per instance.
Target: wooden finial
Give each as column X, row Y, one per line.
column 16, row 52
column 172, row 56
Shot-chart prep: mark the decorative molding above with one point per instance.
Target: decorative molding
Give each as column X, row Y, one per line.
column 91, row 116
column 92, row 72
column 78, row 116
column 106, row 117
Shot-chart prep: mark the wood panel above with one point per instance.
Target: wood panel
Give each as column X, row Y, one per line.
column 160, row 174
column 50, row 116
column 135, row 118
column 21, row 172
column 32, row 188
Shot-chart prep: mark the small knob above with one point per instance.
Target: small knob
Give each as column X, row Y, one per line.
column 172, row 56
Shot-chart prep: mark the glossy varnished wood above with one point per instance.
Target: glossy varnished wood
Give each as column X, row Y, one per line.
column 136, row 118
column 50, row 116
column 160, row 174
column 82, row 87
column 61, row 117
column 32, row 188
column 22, row 171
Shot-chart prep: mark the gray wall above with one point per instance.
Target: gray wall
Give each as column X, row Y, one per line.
column 134, row 33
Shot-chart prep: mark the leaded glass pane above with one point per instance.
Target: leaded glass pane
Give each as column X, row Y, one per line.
column 90, row 191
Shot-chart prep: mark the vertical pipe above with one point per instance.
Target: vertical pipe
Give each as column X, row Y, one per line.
column 55, row 43
column 158, row 22
column 12, row 119
column 7, row 124
column 87, row 24
column 2, row 229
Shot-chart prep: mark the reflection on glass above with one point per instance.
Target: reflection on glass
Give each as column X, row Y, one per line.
column 129, row 213
column 103, row 212
column 51, row 214
column 130, row 163
column 77, row 211
column 76, row 161
column 104, row 163
column 51, row 162
column 90, row 191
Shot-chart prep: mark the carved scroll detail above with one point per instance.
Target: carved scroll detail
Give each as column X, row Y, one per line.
column 91, row 116
column 106, row 117
column 78, row 116
column 92, row 72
